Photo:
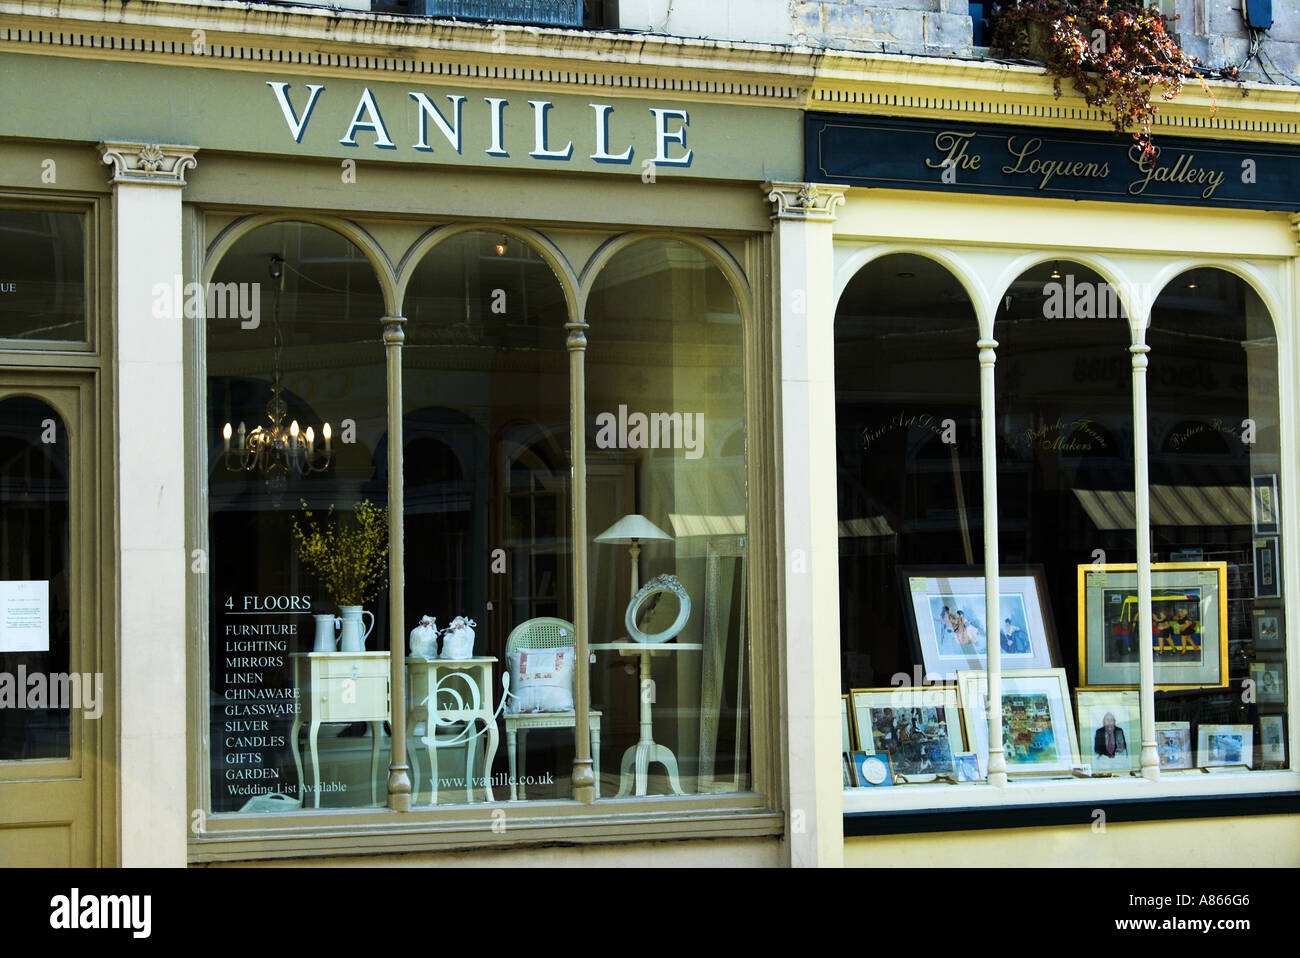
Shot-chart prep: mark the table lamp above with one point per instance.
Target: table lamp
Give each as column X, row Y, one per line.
column 629, row 531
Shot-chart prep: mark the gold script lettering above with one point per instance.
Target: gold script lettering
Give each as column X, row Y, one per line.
column 953, row 146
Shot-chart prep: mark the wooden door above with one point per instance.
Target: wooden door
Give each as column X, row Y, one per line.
column 54, row 713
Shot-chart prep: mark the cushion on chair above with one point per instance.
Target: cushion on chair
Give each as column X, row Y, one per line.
column 541, row 680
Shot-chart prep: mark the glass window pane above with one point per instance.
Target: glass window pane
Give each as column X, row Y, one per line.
column 34, row 483
column 908, row 452
column 42, row 275
column 281, row 572
column 1216, row 471
column 666, row 496
column 487, row 532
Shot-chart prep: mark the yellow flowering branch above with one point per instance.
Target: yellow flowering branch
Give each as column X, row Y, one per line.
column 349, row 559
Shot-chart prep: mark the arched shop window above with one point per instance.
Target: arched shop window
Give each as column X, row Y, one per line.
column 908, row 448
column 1216, row 471
column 487, row 487
column 665, row 402
column 294, row 343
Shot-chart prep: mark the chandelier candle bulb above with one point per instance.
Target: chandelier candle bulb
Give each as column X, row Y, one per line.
column 326, row 430
column 311, row 441
column 225, row 435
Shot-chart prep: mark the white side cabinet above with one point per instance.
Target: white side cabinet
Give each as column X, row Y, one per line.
column 335, row 687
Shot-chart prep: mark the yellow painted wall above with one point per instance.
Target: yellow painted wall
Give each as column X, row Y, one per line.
column 1262, row 841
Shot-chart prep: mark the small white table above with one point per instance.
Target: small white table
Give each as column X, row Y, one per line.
column 639, row 756
column 475, row 691
column 345, row 687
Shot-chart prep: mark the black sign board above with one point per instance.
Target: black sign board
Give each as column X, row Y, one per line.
column 949, row 156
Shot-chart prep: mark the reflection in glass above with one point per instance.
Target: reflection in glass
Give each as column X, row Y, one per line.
column 42, row 275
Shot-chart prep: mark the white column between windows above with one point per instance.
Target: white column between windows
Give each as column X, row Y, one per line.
column 1142, row 517
column 804, row 283
column 997, row 770
column 152, row 556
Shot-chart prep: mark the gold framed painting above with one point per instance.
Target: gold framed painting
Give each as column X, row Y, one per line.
column 918, row 728
column 848, row 734
column 1038, row 736
column 1188, row 629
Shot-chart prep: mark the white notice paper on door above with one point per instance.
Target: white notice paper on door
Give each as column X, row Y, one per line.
column 25, row 616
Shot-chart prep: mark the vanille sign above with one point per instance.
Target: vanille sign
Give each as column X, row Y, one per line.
column 440, row 126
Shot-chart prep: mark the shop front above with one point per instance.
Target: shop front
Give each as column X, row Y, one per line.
column 433, row 472
column 1061, row 377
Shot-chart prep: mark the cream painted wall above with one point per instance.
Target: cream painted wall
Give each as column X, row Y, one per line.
column 765, row 21
column 1260, row 842
column 716, row 853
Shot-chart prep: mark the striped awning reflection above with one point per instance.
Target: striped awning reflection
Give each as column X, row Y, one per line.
column 684, row 526
column 865, row 528
column 1170, row 506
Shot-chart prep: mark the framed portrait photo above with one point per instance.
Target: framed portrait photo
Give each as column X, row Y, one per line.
column 1272, row 740
column 1270, row 682
column 918, row 728
column 1220, row 745
column 871, row 771
column 1174, row 745
column 948, row 619
column 1188, row 630
column 1038, row 735
column 1110, row 729
column 1267, row 629
column 1264, row 505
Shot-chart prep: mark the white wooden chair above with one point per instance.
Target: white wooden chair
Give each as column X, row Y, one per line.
column 543, row 633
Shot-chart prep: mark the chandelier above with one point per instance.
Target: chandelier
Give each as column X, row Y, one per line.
column 273, row 449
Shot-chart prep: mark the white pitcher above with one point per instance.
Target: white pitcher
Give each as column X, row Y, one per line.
column 353, row 638
column 327, row 632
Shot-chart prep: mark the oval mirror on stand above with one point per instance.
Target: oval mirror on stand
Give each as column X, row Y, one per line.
column 659, row 611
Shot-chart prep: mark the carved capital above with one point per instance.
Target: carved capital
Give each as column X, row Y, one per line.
column 158, row 163
column 1295, row 226
column 810, row 202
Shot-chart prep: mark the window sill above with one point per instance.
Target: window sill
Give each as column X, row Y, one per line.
column 378, row 831
column 1030, row 803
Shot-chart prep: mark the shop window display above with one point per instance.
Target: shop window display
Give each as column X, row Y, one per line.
column 1070, row 627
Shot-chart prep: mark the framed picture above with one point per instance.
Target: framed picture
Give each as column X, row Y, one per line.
column 847, row 739
column 847, row 765
column 1174, row 744
column 967, row 766
column 1264, row 505
column 1188, row 629
column 1110, row 730
column 870, row 771
column 1268, row 580
column 1219, row 745
column 949, row 622
column 918, row 728
column 1268, row 629
column 1270, row 682
column 1037, row 723
column 1272, row 740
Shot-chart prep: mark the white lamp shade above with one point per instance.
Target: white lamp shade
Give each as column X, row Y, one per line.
column 633, row 528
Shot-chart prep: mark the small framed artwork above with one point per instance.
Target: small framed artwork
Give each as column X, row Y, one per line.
column 1264, row 505
column 1268, row 629
column 1174, row 744
column 847, row 765
column 918, row 728
column 1268, row 581
column 847, row 740
column 1272, row 740
column 1038, row 736
column 1270, row 682
column 1188, row 630
column 1110, row 731
column 967, row 767
column 870, row 771
column 1220, row 745
column 948, row 619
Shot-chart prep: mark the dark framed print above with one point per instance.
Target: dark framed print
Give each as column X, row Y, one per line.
column 948, row 621
column 1188, row 630
column 1267, row 629
column 1268, row 573
column 1272, row 740
column 1264, row 505
column 1270, row 682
